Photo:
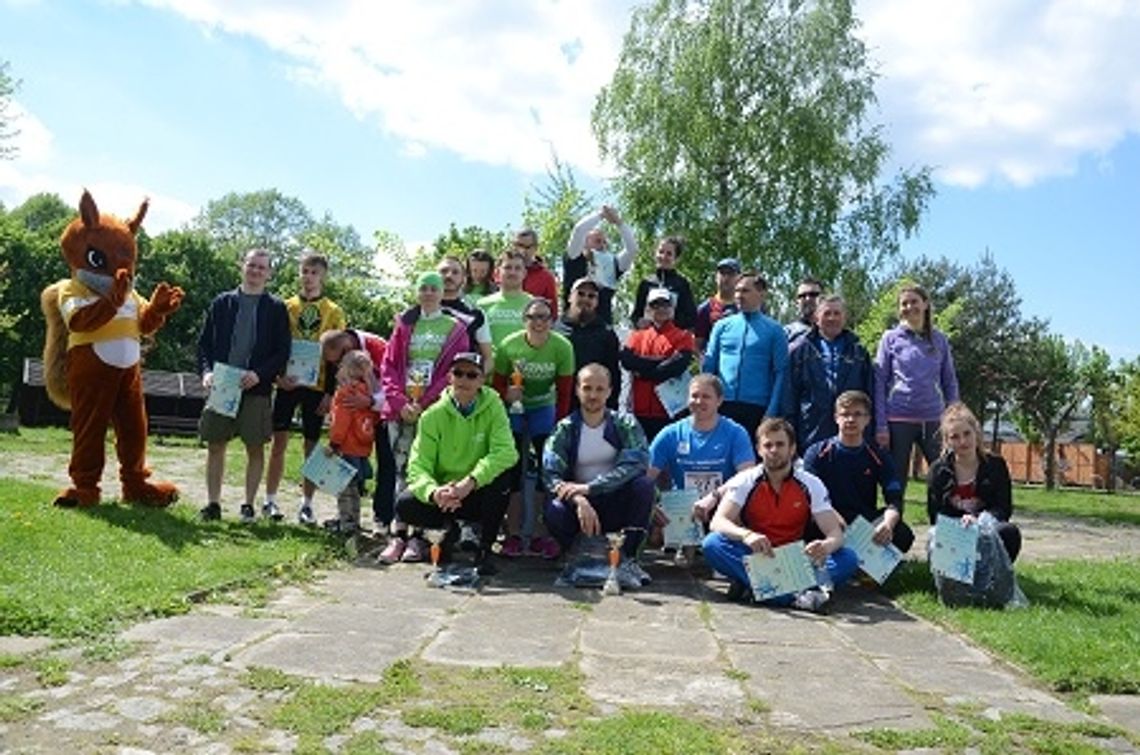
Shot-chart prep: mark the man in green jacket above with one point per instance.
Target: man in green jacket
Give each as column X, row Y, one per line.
column 459, row 462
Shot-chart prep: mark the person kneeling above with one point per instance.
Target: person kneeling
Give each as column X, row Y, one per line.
column 768, row 506
column 459, row 462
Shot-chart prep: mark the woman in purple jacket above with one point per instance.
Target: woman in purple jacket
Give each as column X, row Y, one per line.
column 914, row 381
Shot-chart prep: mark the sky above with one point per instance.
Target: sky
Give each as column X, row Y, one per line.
column 406, row 116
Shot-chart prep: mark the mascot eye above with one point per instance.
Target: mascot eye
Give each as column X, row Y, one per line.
column 96, row 259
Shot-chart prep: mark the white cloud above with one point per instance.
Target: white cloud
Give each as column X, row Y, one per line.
column 985, row 90
column 1014, row 91
column 464, row 76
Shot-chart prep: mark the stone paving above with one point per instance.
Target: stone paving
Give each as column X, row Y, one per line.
column 676, row 644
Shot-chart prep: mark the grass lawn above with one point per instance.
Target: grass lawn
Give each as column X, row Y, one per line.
column 68, row 573
column 1080, row 633
column 1117, row 508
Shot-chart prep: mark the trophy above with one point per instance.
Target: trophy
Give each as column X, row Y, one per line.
column 517, row 382
column 435, row 537
column 612, row 586
column 416, row 385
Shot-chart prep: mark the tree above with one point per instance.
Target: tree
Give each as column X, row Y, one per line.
column 1128, row 400
column 744, row 125
column 460, row 242
column 1054, row 381
column 31, row 261
column 553, row 208
column 8, row 87
column 265, row 219
column 979, row 310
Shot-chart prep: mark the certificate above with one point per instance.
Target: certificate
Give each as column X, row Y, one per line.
column 955, row 551
column 329, row 472
column 681, row 529
column 788, row 570
column 304, row 362
column 674, row 393
column 225, row 392
column 878, row 561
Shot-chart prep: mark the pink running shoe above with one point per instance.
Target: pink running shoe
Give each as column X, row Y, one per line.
column 394, row 552
column 416, row 551
column 513, row 547
column 546, row 547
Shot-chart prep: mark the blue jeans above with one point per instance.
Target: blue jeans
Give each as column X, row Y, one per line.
column 727, row 556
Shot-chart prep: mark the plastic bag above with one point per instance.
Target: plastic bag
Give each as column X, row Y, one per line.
column 454, row 576
column 995, row 584
column 589, row 566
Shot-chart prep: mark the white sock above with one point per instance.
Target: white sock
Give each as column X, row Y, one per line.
column 271, row 498
column 307, row 501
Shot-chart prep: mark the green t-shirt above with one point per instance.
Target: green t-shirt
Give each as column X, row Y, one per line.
column 504, row 313
column 539, row 367
column 428, row 337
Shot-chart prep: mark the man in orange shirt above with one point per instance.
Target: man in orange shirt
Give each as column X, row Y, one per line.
column 770, row 505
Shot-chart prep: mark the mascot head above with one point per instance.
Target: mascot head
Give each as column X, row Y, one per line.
column 97, row 246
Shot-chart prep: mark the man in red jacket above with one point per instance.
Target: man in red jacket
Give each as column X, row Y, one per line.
column 539, row 281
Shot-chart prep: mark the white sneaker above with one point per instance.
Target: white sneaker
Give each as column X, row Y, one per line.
column 269, row 510
column 812, row 599
column 306, row 516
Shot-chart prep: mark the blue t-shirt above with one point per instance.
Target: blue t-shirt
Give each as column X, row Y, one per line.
column 700, row 460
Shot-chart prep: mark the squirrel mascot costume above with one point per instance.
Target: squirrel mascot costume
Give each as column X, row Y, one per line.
column 91, row 354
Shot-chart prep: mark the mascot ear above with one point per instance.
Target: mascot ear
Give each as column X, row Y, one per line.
column 136, row 222
column 88, row 211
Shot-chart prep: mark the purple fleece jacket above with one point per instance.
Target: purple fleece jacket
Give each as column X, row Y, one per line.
column 914, row 377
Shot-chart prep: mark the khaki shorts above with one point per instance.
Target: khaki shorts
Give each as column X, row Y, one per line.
column 253, row 424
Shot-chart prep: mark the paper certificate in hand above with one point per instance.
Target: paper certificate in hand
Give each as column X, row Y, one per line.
column 674, row 393
column 328, row 471
column 681, row 529
column 787, row 571
column 878, row 561
column 225, row 391
column 955, row 551
column 304, row 364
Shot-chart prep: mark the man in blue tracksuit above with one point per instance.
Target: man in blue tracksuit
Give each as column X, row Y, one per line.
column 748, row 351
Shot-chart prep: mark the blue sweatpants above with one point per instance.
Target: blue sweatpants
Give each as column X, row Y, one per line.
column 727, row 557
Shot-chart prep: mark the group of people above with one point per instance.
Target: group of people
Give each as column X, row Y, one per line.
column 482, row 380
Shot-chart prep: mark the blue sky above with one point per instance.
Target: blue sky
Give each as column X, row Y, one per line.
column 407, row 116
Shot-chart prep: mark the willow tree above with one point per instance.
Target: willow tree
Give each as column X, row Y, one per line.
column 746, row 126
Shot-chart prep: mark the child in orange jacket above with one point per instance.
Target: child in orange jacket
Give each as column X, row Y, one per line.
column 352, row 433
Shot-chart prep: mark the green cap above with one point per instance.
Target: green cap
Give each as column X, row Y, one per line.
column 430, row 278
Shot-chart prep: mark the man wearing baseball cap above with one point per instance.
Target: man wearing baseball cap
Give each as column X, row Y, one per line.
column 459, row 462
column 593, row 339
column 720, row 304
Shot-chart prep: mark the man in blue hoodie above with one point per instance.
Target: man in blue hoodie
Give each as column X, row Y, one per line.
column 748, row 351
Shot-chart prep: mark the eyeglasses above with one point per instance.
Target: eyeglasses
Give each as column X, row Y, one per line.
column 808, row 294
column 469, row 374
column 537, row 317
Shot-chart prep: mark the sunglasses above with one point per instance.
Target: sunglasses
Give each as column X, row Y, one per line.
column 808, row 295
column 469, row 374
column 661, row 303
column 540, row 318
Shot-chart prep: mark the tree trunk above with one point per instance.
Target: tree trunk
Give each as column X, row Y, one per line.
column 1050, row 461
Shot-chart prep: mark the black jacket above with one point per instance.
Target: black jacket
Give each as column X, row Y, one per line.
column 270, row 348
column 992, row 488
column 593, row 342
column 685, row 309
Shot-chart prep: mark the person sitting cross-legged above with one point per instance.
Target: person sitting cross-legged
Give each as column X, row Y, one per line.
column 768, row 506
column 460, row 461
column 852, row 468
column 593, row 467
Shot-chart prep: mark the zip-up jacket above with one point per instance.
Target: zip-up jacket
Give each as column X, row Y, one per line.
column 749, row 352
column 914, row 377
column 622, row 431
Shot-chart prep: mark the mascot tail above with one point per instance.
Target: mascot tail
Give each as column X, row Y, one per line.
column 55, row 349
